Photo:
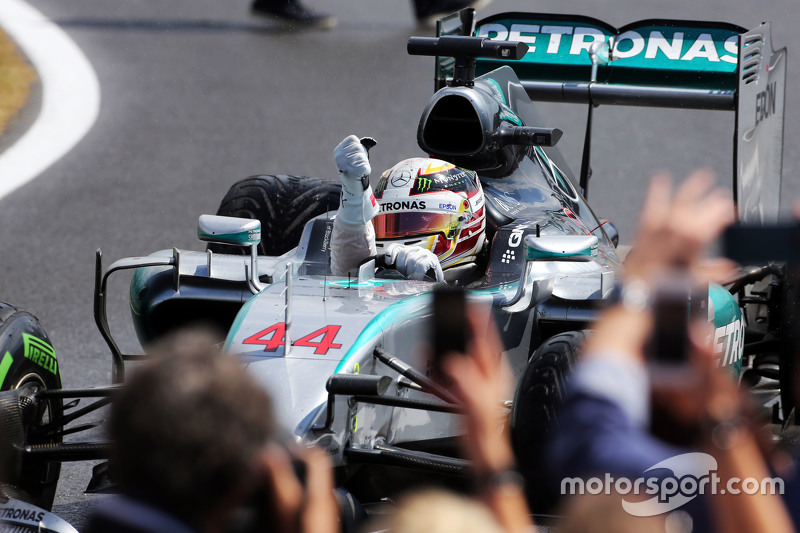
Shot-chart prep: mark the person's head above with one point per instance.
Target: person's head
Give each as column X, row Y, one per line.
column 186, row 427
column 432, row 204
column 440, row 511
column 601, row 513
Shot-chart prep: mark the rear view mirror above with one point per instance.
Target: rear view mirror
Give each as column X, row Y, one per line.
column 229, row 230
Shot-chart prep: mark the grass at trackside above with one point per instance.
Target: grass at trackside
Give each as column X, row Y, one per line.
column 16, row 77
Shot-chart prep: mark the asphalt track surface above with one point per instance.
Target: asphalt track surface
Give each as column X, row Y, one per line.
column 197, row 94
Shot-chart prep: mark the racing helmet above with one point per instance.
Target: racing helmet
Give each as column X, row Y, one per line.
column 432, row 204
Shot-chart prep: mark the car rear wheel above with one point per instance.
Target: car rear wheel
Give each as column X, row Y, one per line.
column 534, row 416
column 28, row 365
column 283, row 204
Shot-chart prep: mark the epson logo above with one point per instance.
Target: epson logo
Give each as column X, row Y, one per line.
column 765, row 102
column 448, row 207
column 546, row 39
column 397, row 206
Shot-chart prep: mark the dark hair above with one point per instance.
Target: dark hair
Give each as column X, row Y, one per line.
column 185, row 428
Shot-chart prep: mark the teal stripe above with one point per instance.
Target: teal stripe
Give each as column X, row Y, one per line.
column 237, row 322
column 402, row 310
column 5, row 364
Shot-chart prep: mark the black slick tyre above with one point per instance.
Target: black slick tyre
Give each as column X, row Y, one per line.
column 282, row 203
column 534, row 416
column 28, row 365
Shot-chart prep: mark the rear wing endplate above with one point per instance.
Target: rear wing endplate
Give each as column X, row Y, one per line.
column 654, row 63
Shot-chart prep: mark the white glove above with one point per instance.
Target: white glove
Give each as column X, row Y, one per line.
column 412, row 261
column 357, row 205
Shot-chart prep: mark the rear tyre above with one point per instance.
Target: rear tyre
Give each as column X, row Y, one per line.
column 28, row 365
column 539, row 395
column 283, row 204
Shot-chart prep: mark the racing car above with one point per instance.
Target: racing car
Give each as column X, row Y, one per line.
column 341, row 356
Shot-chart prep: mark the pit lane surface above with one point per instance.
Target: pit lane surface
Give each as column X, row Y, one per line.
column 196, row 95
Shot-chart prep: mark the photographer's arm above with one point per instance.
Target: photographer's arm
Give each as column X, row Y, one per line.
column 732, row 435
column 482, row 382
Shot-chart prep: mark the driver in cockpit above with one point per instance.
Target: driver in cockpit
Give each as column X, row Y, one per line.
column 427, row 216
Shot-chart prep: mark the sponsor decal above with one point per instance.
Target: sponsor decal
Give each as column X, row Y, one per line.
column 327, row 238
column 508, row 256
column 448, row 207
column 5, row 364
column 412, row 205
column 456, row 181
column 26, row 515
column 729, row 342
column 653, row 44
column 274, row 336
column 401, row 178
column 381, row 186
column 514, row 240
column 40, row 353
column 354, row 283
column 765, row 102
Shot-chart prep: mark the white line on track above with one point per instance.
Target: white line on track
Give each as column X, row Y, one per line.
column 70, row 95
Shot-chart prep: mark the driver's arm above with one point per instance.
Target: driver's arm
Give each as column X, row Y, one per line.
column 353, row 237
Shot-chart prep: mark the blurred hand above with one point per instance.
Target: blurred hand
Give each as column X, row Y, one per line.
column 298, row 507
column 481, row 381
column 675, row 230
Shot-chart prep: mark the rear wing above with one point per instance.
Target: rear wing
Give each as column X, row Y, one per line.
column 654, row 63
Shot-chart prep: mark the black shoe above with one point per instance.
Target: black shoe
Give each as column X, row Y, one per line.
column 429, row 11
column 292, row 14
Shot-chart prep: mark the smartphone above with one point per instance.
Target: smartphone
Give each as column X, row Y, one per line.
column 754, row 245
column 671, row 314
column 450, row 328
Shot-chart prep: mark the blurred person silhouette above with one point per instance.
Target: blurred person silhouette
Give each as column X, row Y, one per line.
column 604, row 422
column 194, row 451
column 293, row 13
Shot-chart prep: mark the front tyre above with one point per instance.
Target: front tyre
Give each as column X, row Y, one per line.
column 283, row 204
column 28, row 365
column 540, row 393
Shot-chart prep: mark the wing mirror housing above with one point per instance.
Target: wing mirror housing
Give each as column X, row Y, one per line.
column 561, row 248
column 245, row 232
column 229, row 230
column 532, row 291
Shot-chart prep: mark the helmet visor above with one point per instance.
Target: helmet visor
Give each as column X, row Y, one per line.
column 409, row 224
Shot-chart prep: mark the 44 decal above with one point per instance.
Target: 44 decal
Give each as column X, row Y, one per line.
column 274, row 337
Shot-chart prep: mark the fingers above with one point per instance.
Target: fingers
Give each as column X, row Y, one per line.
column 676, row 229
column 283, row 486
column 321, row 512
column 486, row 345
column 655, row 209
column 390, row 252
column 351, row 157
column 307, row 506
column 437, row 270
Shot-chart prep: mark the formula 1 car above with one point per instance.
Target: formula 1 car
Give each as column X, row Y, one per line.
column 341, row 356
